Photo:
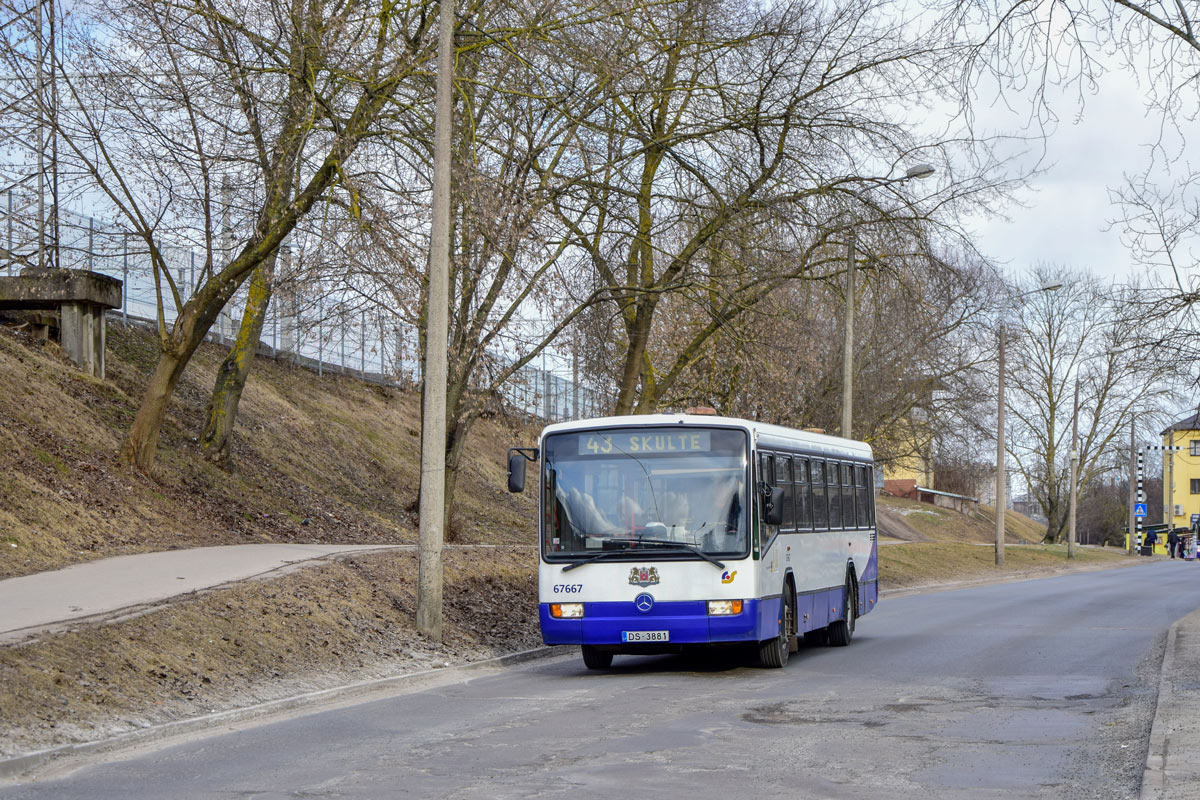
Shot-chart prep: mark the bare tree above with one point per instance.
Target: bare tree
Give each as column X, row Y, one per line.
column 164, row 101
column 1036, row 44
column 744, row 131
column 1076, row 333
column 919, row 351
column 520, row 108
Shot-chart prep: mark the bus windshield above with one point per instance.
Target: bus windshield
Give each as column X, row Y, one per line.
column 634, row 488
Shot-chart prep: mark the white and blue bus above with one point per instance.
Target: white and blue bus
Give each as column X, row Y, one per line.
column 664, row 532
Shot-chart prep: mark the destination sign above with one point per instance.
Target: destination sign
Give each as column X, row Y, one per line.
column 626, row 443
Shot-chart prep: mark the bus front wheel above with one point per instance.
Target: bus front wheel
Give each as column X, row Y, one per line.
column 595, row 658
column 842, row 631
column 774, row 653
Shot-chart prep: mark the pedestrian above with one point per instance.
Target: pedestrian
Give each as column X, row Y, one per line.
column 1149, row 541
column 1173, row 543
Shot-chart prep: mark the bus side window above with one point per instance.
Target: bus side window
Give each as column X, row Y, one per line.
column 862, row 490
column 766, row 475
column 803, row 495
column 832, row 471
column 848, row 496
column 783, row 478
column 871, row 494
column 820, row 496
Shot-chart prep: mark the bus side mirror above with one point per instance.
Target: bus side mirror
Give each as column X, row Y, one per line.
column 516, row 472
column 773, row 506
column 517, row 456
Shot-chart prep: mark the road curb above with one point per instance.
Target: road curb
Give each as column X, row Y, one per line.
column 17, row 766
column 1172, row 767
column 1154, row 774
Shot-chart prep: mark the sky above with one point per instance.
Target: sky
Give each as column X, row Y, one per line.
column 1065, row 216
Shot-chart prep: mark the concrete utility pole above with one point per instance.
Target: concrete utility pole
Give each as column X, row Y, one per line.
column 432, row 503
column 1074, row 474
column 1132, row 484
column 1000, row 500
column 1170, row 454
column 848, row 345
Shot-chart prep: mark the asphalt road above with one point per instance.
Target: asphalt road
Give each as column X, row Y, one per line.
column 1042, row 688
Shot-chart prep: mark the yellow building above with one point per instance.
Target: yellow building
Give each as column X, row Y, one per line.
column 1181, row 471
column 917, row 468
column 914, row 467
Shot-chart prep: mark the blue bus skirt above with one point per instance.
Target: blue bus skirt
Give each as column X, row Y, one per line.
column 686, row 622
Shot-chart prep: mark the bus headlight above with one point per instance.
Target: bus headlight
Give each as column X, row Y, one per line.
column 566, row 610
column 724, row 608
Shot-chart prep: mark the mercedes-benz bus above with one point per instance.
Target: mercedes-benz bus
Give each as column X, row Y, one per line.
column 664, row 532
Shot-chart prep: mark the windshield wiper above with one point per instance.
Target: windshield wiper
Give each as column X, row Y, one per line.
column 681, row 547
column 597, row 557
column 684, row 546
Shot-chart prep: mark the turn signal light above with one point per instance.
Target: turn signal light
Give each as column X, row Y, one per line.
column 566, row 610
column 724, row 608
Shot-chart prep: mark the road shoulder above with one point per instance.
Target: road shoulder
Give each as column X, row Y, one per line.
column 1173, row 760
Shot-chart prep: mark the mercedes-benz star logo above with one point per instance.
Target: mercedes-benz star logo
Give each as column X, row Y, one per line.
column 644, row 602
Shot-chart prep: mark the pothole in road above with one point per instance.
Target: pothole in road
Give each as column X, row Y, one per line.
column 787, row 714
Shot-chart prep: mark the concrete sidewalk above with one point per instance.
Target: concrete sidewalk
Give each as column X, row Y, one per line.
column 35, row 603
column 1173, row 761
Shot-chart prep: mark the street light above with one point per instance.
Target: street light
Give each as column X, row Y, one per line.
column 918, row 172
column 1000, row 488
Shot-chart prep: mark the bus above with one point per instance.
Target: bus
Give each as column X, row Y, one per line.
column 660, row 533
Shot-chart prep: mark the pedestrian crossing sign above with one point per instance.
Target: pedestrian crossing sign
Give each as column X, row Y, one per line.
column 1139, row 510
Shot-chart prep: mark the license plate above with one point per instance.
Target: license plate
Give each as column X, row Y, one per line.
column 645, row 636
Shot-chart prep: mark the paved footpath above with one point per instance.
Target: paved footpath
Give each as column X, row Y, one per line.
column 49, row 600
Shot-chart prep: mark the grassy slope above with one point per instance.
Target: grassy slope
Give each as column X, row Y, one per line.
column 922, row 563
column 942, row 524
column 945, row 546
column 318, row 460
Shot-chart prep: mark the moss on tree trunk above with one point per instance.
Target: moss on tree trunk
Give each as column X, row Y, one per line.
column 217, row 438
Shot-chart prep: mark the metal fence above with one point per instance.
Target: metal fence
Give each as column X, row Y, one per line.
column 324, row 335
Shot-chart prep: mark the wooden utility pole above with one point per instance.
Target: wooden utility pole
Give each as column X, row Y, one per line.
column 432, row 503
column 1000, row 499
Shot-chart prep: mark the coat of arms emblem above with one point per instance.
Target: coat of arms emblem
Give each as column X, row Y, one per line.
column 643, row 576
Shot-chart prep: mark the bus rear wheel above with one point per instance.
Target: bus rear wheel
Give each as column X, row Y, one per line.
column 842, row 631
column 774, row 653
column 595, row 658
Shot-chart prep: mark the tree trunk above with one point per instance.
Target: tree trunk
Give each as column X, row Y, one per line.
column 635, row 353
column 140, row 445
column 217, row 438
